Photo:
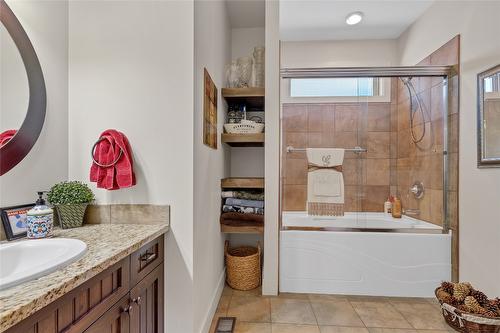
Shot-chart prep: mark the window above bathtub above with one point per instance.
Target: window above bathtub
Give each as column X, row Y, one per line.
column 492, row 87
column 335, row 90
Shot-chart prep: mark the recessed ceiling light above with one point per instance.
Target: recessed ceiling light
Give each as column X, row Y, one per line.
column 354, row 18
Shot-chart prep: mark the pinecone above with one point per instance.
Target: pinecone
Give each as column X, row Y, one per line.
column 491, row 314
column 461, row 291
column 492, row 310
column 474, row 306
column 480, row 297
column 447, row 286
column 445, row 297
column 496, row 302
column 468, row 284
column 463, row 308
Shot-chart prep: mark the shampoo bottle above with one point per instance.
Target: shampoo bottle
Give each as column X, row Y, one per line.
column 388, row 205
column 396, row 208
column 39, row 219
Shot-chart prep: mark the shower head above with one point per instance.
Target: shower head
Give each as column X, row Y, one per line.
column 406, row 80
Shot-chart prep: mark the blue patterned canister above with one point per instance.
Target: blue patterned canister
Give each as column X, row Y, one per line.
column 39, row 226
column 39, row 220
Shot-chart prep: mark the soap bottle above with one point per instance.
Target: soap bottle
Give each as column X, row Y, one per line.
column 39, row 219
column 396, row 208
column 388, row 205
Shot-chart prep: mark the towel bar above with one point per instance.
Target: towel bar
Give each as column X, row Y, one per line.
column 92, row 152
column 356, row 150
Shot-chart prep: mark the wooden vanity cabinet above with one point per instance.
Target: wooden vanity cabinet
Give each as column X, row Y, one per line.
column 115, row 320
column 126, row 297
column 146, row 314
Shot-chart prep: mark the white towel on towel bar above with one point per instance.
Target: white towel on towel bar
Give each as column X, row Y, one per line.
column 325, row 182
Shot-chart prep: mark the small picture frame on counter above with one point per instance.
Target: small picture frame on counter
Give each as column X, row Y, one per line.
column 14, row 220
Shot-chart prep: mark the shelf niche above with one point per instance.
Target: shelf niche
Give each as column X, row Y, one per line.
column 253, row 98
column 235, row 183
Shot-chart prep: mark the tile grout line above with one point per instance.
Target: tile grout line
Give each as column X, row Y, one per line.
column 402, row 315
column 314, row 313
column 357, row 314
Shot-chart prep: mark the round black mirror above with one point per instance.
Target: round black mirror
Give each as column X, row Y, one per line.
column 15, row 144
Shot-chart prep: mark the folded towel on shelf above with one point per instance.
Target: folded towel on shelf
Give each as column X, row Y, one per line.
column 325, row 182
column 241, row 209
column 113, row 146
column 5, row 136
column 241, row 219
column 249, row 195
column 245, row 202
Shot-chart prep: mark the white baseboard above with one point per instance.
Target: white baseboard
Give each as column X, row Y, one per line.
column 215, row 302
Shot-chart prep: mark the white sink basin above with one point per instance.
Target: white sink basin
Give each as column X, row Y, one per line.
column 30, row 259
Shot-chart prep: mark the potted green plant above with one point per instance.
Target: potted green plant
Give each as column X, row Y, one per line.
column 70, row 200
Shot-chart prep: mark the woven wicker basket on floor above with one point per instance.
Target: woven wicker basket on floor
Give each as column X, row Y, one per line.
column 243, row 266
column 467, row 322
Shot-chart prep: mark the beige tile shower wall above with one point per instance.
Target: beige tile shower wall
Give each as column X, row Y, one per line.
column 423, row 161
column 343, row 125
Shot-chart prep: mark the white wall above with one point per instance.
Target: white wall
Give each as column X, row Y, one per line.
column 131, row 68
column 212, row 39
column 46, row 24
column 272, row 150
column 479, row 190
column 339, row 53
column 243, row 40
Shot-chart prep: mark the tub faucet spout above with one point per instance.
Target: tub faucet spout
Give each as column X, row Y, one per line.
column 412, row 212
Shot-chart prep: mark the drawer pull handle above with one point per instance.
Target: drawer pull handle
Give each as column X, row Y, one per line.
column 148, row 256
column 127, row 309
column 137, row 300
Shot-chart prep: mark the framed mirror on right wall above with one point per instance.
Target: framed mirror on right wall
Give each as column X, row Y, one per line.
column 488, row 129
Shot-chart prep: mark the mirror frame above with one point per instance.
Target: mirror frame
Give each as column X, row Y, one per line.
column 20, row 145
column 482, row 161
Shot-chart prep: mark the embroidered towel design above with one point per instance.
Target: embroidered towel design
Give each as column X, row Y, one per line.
column 325, row 181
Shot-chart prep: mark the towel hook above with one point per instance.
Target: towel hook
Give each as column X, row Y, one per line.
column 92, row 152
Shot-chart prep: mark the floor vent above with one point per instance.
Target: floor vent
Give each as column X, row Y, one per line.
column 225, row 325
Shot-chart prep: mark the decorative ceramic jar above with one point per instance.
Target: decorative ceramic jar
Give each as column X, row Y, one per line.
column 39, row 219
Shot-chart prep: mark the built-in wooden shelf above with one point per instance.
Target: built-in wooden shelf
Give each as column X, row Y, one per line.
column 243, row 140
column 229, row 229
column 254, row 98
column 242, row 92
column 247, row 182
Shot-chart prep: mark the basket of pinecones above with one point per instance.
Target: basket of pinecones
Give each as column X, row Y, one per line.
column 468, row 310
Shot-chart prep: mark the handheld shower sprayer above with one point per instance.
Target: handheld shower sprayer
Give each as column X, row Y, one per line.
column 411, row 91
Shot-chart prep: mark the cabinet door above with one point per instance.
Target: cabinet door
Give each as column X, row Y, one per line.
column 115, row 320
column 79, row 308
column 146, row 314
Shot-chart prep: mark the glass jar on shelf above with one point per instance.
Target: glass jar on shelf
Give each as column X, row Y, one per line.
column 258, row 66
column 231, row 115
column 245, row 71
column 232, row 75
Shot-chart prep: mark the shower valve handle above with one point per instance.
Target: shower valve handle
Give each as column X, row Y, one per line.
column 417, row 189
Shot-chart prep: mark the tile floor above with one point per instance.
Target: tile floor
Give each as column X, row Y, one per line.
column 309, row 313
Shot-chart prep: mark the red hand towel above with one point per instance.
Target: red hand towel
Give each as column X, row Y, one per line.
column 119, row 175
column 6, row 136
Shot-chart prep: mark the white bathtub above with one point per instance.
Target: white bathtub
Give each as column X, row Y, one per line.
column 362, row 254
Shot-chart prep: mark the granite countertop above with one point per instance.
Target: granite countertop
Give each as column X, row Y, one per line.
column 106, row 245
